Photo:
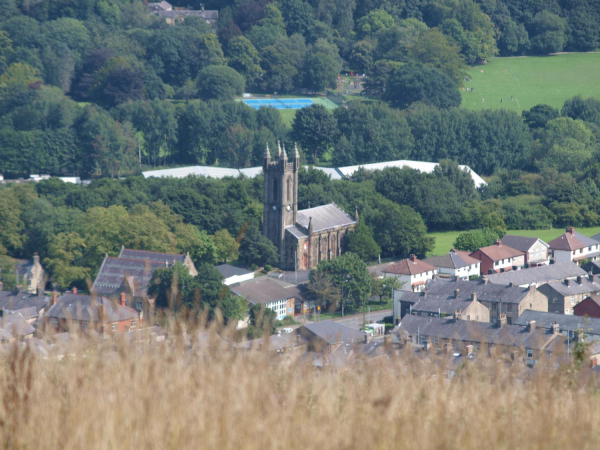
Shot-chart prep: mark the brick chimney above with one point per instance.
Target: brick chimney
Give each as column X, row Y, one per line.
column 74, row 290
column 555, row 328
column 571, row 230
column 54, row 297
column 531, row 325
column 123, row 299
column 456, row 293
column 567, row 282
column 502, row 319
column 485, row 280
column 499, row 243
column 579, row 279
column 413, row 258
column 473, row 296
column 511, row 284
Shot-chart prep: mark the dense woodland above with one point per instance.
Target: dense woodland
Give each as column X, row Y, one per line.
column 99, row 89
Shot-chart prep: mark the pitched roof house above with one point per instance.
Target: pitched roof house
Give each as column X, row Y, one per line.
column 511, row 301
column 327, row 336
column 564, row 295
column 413, row 272
column 574, row 246
column 456, row 263
column 276, row 295
column 536, row 250
column 573, row 325
column 589, row 306
column 131, row 273
column 531, row 343
column 86, row 313
column 499, row 258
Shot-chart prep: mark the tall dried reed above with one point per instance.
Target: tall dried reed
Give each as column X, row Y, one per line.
column 182, row 394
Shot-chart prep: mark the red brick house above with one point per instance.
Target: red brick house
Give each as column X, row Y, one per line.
column 590, row 306
column 499, row 258
column 73, row 312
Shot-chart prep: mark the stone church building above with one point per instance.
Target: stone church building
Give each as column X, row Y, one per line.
column 306, row 237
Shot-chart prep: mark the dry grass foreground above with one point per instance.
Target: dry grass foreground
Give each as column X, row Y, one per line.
column 177, row 396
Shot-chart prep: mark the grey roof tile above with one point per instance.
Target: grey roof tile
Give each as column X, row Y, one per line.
column 565, row 321
column 538, row 275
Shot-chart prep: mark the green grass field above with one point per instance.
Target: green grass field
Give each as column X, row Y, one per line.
column 445, row 240
column 532, row 80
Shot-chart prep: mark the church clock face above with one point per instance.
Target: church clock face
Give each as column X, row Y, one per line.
column 288, row 207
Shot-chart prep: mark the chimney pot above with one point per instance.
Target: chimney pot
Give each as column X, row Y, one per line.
column 413, row 258
column 555, row 328
column 567, row 282
column 74, row 290
column 473, row 296
column 579, row 279
column 54, row 297
column 456, row 292
column 123, row 299
column 499, row 243
column 457, row 315
column 532, row 325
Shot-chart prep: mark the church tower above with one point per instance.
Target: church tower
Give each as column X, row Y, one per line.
column 280, row 195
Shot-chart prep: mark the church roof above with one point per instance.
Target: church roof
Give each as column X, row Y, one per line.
column 296, row 232
column 324, row 217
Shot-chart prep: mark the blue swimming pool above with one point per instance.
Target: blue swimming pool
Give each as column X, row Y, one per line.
column 279, row 103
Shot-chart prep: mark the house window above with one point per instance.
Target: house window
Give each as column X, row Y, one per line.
column 567, row 311
column 139, row 304
column 554, row 300
column 84, row 326
column 114, row 327
column 496, row 263
column 494, row 306
column 572, row 300
column 133, row 324
column 509, row 320
column 529, row 354
column 508, row 308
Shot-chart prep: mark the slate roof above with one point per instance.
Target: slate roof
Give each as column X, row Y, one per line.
column 485, row 292
column 333, row 332
column 566, row 322
column 435, row 303
column 538, row 275
column 85, row 308
column 572, row 241
column 585, row 287
column 498, row 252
column 521, row 243
column 14, row 301
column 409, row 267
column 143, row 255
column 464, row 330
column 324, row 217
column 114, row 271
column 227, row 270
column 266, row 290
column 452, row 260
column 296, row 232
column 13, row 325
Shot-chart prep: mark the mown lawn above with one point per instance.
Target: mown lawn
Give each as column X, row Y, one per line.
column 445, row 240
column 532, row 80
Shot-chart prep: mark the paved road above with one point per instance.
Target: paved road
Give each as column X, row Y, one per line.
column 356, row 320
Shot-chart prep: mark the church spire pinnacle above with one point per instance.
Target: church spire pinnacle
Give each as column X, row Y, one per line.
column 267, row 154
column 296, row 153
column 278, row 150
column 283, row 156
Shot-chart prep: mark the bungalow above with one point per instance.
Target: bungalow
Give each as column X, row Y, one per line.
column 412, row 272
column 536, row 250
column 564, row 295
column 327, row 336
column 276, row 295
column 232, row 274
column 574, row 246
column 456, row 264
column 499, row 258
